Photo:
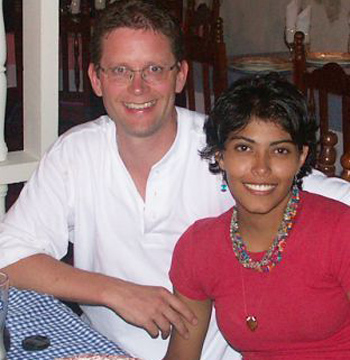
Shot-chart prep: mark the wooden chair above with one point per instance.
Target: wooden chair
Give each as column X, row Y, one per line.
column 205, row 52
column 75, row 33
column 326, row 80
column 14, row 24
column 175, row 7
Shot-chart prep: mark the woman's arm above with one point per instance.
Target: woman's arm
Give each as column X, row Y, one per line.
column 190, row 348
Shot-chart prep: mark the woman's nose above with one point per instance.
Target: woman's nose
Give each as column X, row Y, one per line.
column 262, row 165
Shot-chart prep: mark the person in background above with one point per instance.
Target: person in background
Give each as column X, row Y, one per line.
column 122, row 189
column 276, row 266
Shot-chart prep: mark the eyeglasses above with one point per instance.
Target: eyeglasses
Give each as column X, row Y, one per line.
column 152, row 74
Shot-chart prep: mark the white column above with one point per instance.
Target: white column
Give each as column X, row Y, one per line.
column 3, row 86
column 40, row 84
column 3, row 193
column 40, row 77
column 3, row 92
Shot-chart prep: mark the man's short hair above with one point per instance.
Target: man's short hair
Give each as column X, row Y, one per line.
column 138, row 15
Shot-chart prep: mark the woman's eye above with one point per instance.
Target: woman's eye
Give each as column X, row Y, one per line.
column 242, row 147
column 282, row 151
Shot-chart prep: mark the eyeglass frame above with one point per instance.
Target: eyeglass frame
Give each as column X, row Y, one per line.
column 166, row 68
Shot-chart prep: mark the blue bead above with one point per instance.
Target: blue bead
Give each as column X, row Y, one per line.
column 223, row 187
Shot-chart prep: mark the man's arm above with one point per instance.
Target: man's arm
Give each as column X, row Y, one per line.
column 150, row 307
column 190, row 348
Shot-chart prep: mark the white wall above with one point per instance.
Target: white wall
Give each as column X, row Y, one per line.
column 254, row 26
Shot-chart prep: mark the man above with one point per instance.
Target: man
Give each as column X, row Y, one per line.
column 123, row 188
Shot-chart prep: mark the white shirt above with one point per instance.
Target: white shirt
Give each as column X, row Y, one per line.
column 83, row 193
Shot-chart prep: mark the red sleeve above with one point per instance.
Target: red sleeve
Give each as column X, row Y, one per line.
column 184, row 268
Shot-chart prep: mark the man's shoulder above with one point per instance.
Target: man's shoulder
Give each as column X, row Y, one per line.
column 331, row 187
column 192, row 119
column 90, row 133
column 100, row 125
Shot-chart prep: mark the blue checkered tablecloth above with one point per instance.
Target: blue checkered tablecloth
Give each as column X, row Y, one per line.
column 30, row 313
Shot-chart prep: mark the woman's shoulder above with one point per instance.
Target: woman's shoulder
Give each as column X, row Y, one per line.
column 205, row 233
column 320, row 203
column 216, row 223
column 322, row 212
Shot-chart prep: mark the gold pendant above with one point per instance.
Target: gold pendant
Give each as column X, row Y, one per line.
column 252, row 322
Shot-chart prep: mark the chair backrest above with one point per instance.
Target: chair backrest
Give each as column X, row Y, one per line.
column 205, row 52
column 175, row 7
column 317, row 84
column 75, row 33
column 14, row 24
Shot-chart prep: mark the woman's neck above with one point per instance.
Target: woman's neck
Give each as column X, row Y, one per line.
column 258, row 231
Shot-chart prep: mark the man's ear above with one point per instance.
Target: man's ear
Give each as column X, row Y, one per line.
column 95, row 79
column 181, row 76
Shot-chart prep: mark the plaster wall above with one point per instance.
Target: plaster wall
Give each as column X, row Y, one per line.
column 255, row 26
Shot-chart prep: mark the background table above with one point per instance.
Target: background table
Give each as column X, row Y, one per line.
column 31, row 313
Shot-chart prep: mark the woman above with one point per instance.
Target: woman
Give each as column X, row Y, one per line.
column 276, row 266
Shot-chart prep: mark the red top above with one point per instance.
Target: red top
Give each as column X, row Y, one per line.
column 301, row 305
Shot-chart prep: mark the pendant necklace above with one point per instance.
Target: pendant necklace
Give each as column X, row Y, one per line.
column 251, row 320
column 272, row 256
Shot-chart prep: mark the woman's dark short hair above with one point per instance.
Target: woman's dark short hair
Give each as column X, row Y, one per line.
column 267, row 97
column 137, row 15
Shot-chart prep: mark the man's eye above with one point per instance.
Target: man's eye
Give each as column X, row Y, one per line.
column 155, row 69
column 119, row 70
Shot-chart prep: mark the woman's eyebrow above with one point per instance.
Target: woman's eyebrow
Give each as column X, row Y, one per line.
column 273, row 143
column 240, row 137
column 289, row 141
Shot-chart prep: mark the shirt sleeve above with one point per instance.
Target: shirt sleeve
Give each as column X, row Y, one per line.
column 184, row 268
column 331, row 187
column 38, row 221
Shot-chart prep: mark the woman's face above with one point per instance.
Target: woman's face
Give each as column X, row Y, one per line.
column 260, row 163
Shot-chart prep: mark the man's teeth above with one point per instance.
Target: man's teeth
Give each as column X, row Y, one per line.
column 260, row 187
column 136, row 106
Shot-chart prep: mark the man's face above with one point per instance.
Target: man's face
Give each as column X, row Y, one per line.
column 139, row 108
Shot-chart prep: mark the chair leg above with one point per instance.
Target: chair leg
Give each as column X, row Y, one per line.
column 345, row 163
column 327, row 157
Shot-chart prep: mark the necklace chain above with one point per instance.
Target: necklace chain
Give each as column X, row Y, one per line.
column 274, row 254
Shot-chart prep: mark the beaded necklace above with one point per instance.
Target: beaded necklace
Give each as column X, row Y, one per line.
column 274, row 254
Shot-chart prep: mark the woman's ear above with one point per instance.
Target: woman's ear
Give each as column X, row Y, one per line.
column 303, row 155
column 219, row 157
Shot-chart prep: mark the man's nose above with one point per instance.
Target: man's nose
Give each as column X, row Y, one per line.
column 137, row 82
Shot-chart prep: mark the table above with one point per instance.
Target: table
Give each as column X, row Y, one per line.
column 31, row 313
column 263, row 62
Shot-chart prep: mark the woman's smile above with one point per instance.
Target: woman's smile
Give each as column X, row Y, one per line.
column 260, row 162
